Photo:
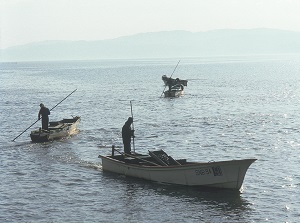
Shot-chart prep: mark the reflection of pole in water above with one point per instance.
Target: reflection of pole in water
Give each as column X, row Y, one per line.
column 129, row 199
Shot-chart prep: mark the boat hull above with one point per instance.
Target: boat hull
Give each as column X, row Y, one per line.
column 173, row 93
column 57, row 130
column 224, row 174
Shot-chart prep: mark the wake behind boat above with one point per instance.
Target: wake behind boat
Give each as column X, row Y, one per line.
column 160, row 167
column 56, row 130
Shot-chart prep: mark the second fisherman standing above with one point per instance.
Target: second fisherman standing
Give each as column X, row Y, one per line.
column 127, row 133
column 44, row 112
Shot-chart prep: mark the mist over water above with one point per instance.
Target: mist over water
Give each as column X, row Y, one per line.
column 233, row 108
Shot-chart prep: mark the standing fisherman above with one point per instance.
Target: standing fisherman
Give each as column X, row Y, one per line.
column 44, row 112
column 127, row 133
column 170, row 83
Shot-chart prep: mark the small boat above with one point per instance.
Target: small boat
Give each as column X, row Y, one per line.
column 175, row 91
column 160, row 167
column 173, row 81
column 56, row 130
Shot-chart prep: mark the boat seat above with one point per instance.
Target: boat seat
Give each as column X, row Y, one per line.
column 145, row 163
column 130, row 160
column 55, row 123
column 70, row 120
column 57, row 127
column 145, row 157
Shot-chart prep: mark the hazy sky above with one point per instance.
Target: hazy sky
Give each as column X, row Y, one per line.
column 24, row 21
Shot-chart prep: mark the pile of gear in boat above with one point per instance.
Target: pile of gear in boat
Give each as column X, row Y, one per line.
column 155, row 158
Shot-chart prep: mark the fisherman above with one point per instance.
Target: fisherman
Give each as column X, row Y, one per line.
column 170, row 83
column 44, row 112
column 127, row 133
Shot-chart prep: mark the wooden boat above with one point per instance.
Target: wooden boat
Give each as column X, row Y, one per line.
column 159, row 167
column 57, row 130
column 173, row 81
column 175, row 91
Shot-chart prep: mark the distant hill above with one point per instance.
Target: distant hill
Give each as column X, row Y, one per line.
column 162, row 45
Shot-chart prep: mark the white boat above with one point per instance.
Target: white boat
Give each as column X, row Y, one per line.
column 159, row 167
column 56, row 130
column 175, row 91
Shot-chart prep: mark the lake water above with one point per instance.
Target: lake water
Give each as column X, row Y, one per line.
column 233, row 108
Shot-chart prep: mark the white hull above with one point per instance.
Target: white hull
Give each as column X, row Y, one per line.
column 68, row 131
column 57, row 130
column 173, row 93
column 224, row 174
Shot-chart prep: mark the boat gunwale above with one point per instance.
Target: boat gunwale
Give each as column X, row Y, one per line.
column 189, row 164
column 65, row 125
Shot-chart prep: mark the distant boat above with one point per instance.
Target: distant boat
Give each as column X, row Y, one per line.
column 159, row 167
column 175, row 91
column 56, row 130
column 173, row 81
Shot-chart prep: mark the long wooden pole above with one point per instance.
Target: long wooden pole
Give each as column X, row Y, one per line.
column 132, row 126
column 39, row 118
column 170, row 77
column 63, row 100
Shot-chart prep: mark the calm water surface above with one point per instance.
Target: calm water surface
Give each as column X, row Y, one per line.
column 233, row 108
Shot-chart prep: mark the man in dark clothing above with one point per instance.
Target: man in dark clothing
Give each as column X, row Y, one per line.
column 170, row 83
column 44, row 112
column 127, row 133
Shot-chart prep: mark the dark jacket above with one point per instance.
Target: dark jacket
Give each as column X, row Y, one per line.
column 127, row 132
column 44, row 112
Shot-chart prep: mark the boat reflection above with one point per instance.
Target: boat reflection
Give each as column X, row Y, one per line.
column 223, row 199
column 142, row 197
